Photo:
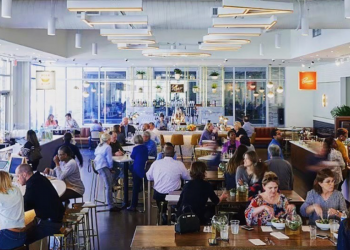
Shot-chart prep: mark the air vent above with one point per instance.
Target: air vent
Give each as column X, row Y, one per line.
column 214, row 12
column 89, row 13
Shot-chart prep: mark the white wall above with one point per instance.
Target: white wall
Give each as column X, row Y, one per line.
column 298, row 103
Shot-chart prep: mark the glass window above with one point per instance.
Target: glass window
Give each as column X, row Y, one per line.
column 90, row 103
column 275, row 96
column 228, row 98
column 228, row 73
column 240, row 73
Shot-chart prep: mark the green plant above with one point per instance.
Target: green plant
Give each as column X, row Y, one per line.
column 158, row 87
column 177, row 71
column 140, row 72
column 214, row 73
column 214, row 86
column 340, row 111
column 233, row 190
column 195, row 87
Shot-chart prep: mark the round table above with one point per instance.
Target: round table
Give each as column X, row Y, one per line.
column 59, row 185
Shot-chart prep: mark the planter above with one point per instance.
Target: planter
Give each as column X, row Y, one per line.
column 159, row 90
column 214, row 77
column 195, row 90
column 139, row 76
column 140, row 90
column 158, row 77
column 192, row 77
column 213, row 90
column 177, row 76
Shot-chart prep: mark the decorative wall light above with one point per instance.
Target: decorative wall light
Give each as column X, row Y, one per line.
column 261, row 90
column 132, row 40
column 112, row 20
column 126, row 32
column 6, row 8
column 256, row 94
column 78, row 40
column 324, row 100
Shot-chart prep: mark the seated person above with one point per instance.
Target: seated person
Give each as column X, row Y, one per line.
column 67, row 170
column 281, row 167
column 237, row 127
column 323, row 201
column 67, row 138
column 120, row 136
column 50, row 122
column 161, row 154
column 117, row 149
column 153, row 129
column 209, row 133
column 244, row 140
column 344, row 235
column 247, row 126
column 231, row 144
column 154, row 137
column 151, row 145
column 268, row 204
column 233, row 164
column 196, row 192
column 166, row 174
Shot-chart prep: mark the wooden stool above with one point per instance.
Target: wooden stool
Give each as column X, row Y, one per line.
column 62, row 237
column 84, row 223
column 178, row 140
column 73, row 221
column 162, row 141
column 194, row 142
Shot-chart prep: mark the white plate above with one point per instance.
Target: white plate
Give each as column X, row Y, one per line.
column 335, row 235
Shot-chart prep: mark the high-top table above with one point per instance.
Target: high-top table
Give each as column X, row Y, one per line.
column 164, row 237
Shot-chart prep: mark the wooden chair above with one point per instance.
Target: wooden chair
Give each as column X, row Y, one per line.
column 194, row 142
column 252, row 138
column 162, row 141
column 178, row 140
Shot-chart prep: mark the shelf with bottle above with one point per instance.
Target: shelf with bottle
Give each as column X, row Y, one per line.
column 159, row 102
column 139, row 103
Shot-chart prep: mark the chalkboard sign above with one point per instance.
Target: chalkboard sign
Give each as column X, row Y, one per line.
column 176, row 88
column 14, row 163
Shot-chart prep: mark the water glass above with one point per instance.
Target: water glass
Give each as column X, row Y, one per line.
column 313, row 231
column 234, row 226
column 333, row 226
column 224, row 232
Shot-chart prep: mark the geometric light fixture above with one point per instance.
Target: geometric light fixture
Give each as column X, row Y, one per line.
column 124, row 46
column 112, row 20
column 132, row 39
column 175, row 53
column 219, row 47
column 235, row 31
column 101, row 5
column 256, row 94
column 94, row 49
column 126, row 32
column 254, row 7
column 93, row 90
column 305, row 21
column 261, row 22
column 6, row 8
column 217, row 39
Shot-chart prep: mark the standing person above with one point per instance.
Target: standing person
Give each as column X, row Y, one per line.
column 67, row 138
column 237, row 127
column 231, row 144
column 247, row 126
column 233, row 164
column 72, row 124
column 31, row 150
column 161, row 124
column 11, row 214
column 103, row 165
column 276, row 135
column 120, row 135
column 43, row 198
column 67, row 170
column 209, row 133
column 50, row 122
column 126, row 127
column 140, row 156
column 151, row 145
column 282, row 168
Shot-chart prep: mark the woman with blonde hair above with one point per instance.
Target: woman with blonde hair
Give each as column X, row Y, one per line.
column 11, row 214
column 237, row 127
column 103, row 165
column 209, row 133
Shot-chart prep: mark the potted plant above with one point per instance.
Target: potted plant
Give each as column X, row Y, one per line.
column 340, row 111
column 158, row 77
column 140, row 90
column 232, row 192
column 159, row 89
column 195, row 89
column 214, row 75
column 178, row 73
column 214, row 86
column 140, row 74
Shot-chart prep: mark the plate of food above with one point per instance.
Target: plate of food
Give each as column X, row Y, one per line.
column 278, row 223
column 322, row 224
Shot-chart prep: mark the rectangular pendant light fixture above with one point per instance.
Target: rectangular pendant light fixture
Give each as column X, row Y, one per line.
column 262, row 22
column 219, row 47
column 132, row 40
column 103, row 5
column 255, row 7
column 235, row 31
column 217, row 39
column 126, row 32
column 123, row 46
column 106, row 20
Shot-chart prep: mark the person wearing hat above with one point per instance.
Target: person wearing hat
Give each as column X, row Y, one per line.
column 103, row 165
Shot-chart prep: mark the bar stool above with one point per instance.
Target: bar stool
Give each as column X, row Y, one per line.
column 73, row 221
column 85, row 223
column 162, row 141
column 178, row 140
column 194, row 142
column 62, row 237
column 95, row 184
column 147, row 167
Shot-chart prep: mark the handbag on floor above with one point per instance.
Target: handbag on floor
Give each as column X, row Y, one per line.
column 187, row 223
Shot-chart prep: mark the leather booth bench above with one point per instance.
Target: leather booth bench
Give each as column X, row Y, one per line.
column 83, row 138
column 263, row 136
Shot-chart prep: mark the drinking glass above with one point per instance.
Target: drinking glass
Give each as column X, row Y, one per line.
column 313, row 231
column 224, row 232
column 333, row 226
column 234, row 226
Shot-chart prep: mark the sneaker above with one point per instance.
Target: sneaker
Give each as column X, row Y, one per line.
column 131, row 209
column 114, row 209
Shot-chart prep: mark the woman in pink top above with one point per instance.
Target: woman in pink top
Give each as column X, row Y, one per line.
column 50, row 121
column 231, row 144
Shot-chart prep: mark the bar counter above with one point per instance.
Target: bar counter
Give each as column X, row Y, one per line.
column 301, row 152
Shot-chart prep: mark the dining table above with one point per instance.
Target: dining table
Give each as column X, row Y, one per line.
column 165, row 238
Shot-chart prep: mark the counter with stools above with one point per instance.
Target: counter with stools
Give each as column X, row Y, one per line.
column 178, row 140
column 194, row 142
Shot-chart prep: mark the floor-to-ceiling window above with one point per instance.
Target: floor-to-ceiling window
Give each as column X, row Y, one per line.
column 5, row 82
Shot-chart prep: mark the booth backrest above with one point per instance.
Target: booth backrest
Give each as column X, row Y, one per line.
column 84, row 132
column 264, row 132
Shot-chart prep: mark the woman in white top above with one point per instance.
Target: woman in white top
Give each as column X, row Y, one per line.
column 11, row 214
column 67, row 170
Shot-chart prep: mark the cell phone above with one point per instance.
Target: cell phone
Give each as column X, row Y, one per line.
column 212, row 242
column 321, row 236
column 247, row 228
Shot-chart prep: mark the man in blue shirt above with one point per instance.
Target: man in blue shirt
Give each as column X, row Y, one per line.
column 276, row 140
column 95, row 127
column 151, row 145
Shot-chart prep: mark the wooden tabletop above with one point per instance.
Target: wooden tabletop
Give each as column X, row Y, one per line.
column 163, row 237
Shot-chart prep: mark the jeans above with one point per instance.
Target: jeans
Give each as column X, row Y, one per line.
column 10, row 240
column 135, row 189
column 107, row 177
column 41, row 229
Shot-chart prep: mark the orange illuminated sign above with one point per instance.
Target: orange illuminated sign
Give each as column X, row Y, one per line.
column 308, row 80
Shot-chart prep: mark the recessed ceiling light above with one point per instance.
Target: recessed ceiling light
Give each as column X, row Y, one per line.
column 17, row 48
column 332, row 51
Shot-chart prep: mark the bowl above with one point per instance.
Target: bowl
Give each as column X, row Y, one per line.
column 278, row 225
column 322, row 226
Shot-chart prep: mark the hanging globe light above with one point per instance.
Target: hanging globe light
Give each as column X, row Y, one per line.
column 86, row 84
column 85, row 94
column 256, row 94
column 270, row 94
column 280, row 89
column 93, row 90
column 252, row 86
column 261, row 90
column 269, row 85
column 102, row 86
column 237, row 89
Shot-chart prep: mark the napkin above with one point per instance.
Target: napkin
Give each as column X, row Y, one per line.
column 257, row 242
column 305, row 228
column 266, row 229
column 207, row 229
column 279, row 236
